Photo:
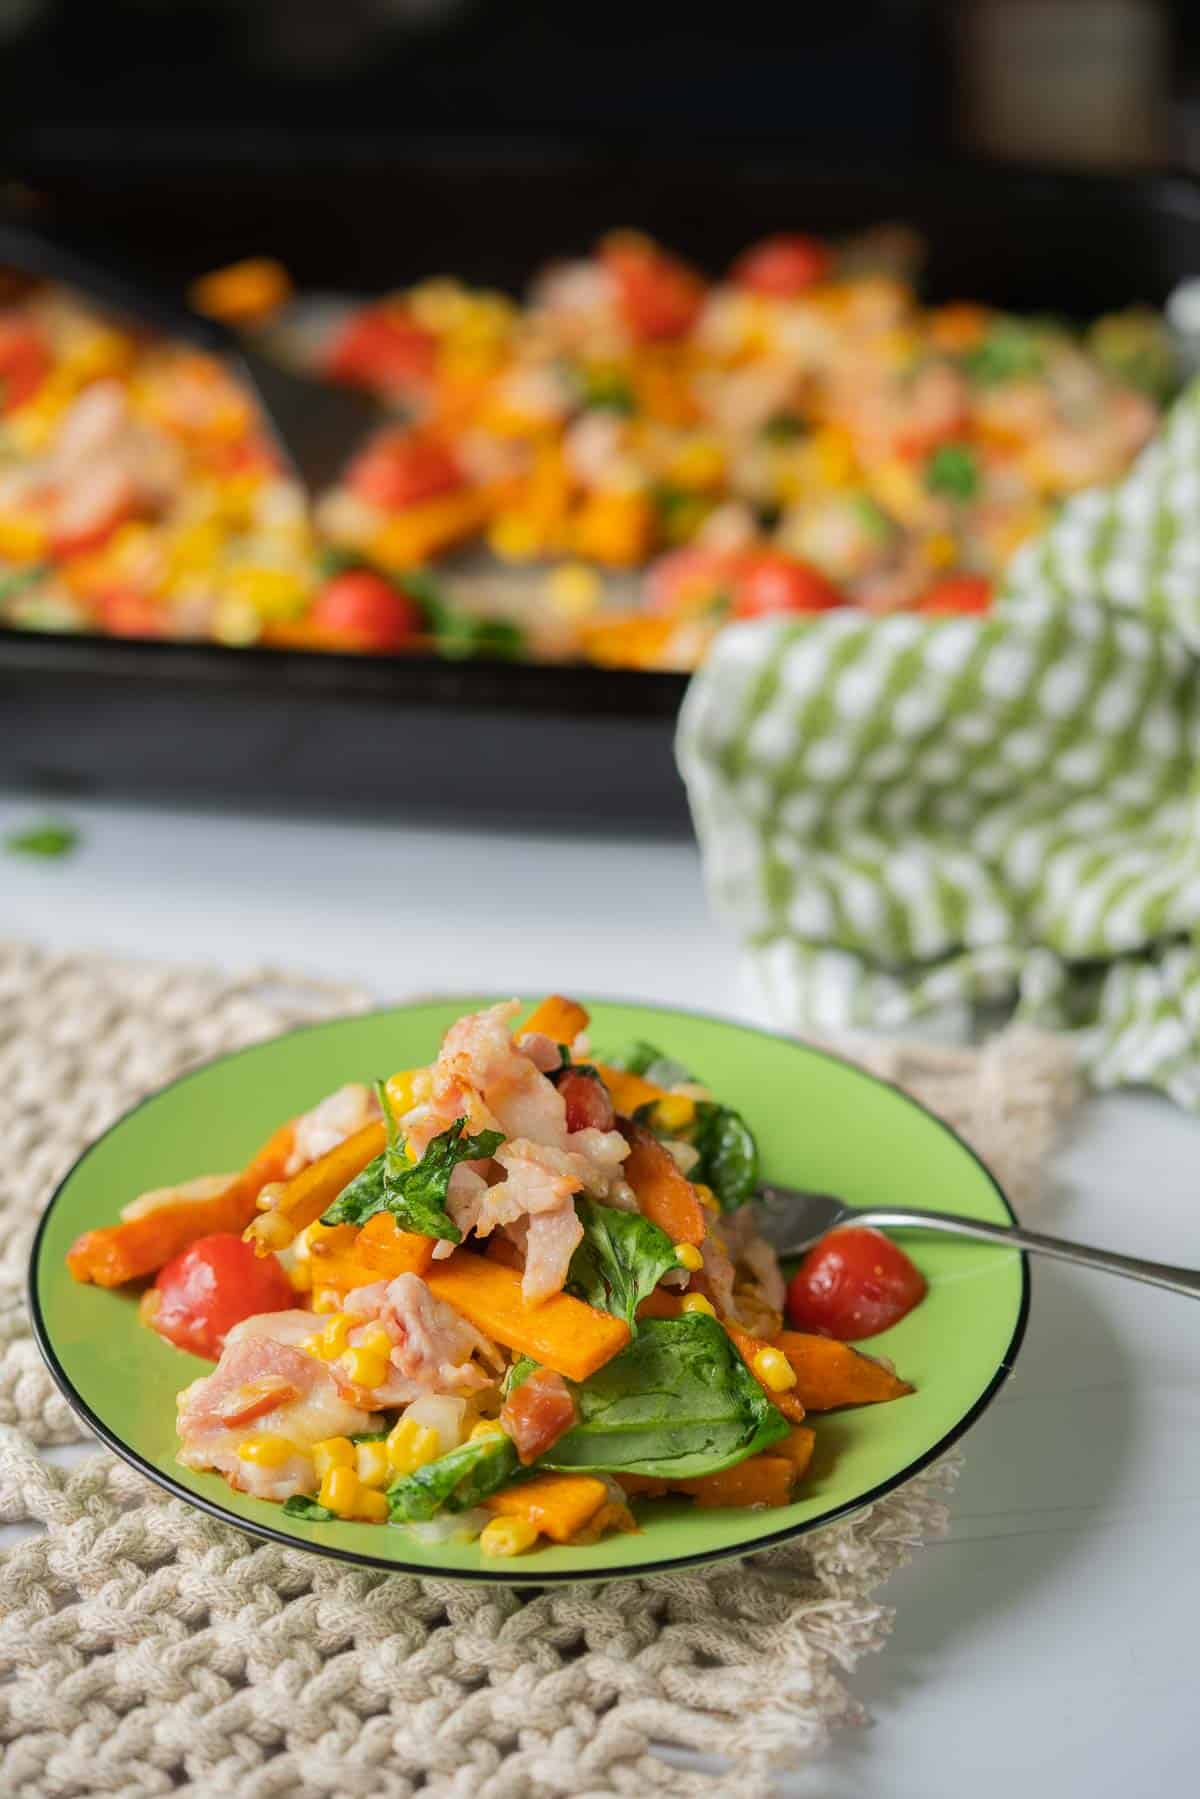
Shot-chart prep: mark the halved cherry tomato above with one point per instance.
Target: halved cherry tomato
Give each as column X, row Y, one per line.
column 403, row 468
column 587, row 1101
column 771, row 581
column 853, row 1283
column 123, row 612
column 782, row 266
column 658, row 296
column 383, row 347
column 956, row 594
column 24, row 363
column 366, row 612
column 211, row 1286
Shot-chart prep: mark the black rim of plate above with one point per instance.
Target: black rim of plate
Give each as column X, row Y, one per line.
column 390, row 1565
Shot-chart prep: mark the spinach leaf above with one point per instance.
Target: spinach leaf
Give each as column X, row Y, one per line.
column 1009, row 352
column 728, row 1154
column 301, row 1506
column 455, row 1481
column 644, row 1059
column 518, row 1373
column 622, row 1258
column 678, row 1402
column 414, row 1193
column 370, row 1436
column 953, row 470
column 459, row 634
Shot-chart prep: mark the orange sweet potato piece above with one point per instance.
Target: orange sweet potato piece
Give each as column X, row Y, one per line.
column 141, row 1245
column 557, row 1505
column 315, row 1188
column 829, row 1373
column 798, row 1447
column 664, row 1195
column 765, row 1479
column 561, row 1333
column 557, row 1018
column 378, row 1252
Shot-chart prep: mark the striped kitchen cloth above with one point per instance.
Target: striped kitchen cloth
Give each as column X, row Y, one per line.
column 905, row 816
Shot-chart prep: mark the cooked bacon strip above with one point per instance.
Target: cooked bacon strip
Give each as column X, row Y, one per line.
column 150, row 1234
column 537, row 1413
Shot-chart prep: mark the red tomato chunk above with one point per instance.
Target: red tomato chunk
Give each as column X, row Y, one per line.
column 211, row 1286
column 782, row 266
column 538, row 1413
column 853, row 1283
column 587, row 1101
column 366, row 612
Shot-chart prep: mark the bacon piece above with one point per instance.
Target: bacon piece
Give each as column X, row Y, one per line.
column 434, row 1348
column 537, row 1413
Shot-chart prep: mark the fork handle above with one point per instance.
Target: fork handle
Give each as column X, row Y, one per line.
column 1158, row 1274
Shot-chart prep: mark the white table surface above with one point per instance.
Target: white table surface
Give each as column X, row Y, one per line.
column 1049, row 1645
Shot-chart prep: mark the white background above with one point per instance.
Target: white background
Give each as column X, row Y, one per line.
column 1049, row 1645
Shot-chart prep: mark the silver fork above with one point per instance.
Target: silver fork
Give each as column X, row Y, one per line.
column 792, row 1220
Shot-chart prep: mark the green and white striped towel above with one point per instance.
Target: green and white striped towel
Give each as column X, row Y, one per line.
column 904, row 816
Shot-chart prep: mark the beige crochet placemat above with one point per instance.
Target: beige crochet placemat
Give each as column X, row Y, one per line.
column 146, row 1648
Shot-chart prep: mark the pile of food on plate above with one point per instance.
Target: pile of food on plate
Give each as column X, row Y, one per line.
column 502, row 1297
column 801, row 434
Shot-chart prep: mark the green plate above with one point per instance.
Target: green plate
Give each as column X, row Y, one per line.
column 821, row 1123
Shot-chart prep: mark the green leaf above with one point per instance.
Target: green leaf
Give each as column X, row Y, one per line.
column 46, row 840
column 728, row 1154
column 784, row 428
column 518, row 1373
column 1008, row 352
column 301, row 1506
column 952, row 470
column 459, row 634
column 414, row 1193
column 622, row 1258
column 677, row 1403
column 644, row 1059
column 455, row 1482
column 606, row 390
column 370, row 1436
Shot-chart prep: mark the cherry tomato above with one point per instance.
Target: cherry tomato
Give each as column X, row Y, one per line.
column 782, row 266
column 771, row 581
column 24, row 363
column 587, row 1100
column 123, row 612
column 385, row 348
column 955, row 595
column 366, row 612
column 211, row 1286
column 853, row 1283
column 401, row 468
column 658, row 296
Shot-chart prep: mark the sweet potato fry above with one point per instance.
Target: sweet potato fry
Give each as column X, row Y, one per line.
column 760, row 1480
column 664, row 1195
column 148, row 1236
column 748, row 1347
column 378, row 1252
column 308, row 1193
column 557, row 1505
column 561, row 1333
column 557, row 1018
column 829, row 1373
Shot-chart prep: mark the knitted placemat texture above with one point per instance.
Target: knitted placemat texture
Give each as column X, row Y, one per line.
column 146, row 1648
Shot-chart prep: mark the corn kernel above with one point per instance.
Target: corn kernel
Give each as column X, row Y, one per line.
column 774, row 1370
column 374, row 1469
column 706, row 1196
column 697, row 1302
column 410, row 1446
column 487, row 1427
column 330, row 1341
column 508, row 1536
column 370, row 1506
column 23, row 537
column 573, row 589
column 236, row 622
column 265, row 1451
column 365, row 1367
column 515, row 538
column 401, row 1090
column 326, row 1299
column 689, row 1257
column 340, row 1491
column 331, row 1453
column 377, row 1341
column 940, row 550
column 674, row 1111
